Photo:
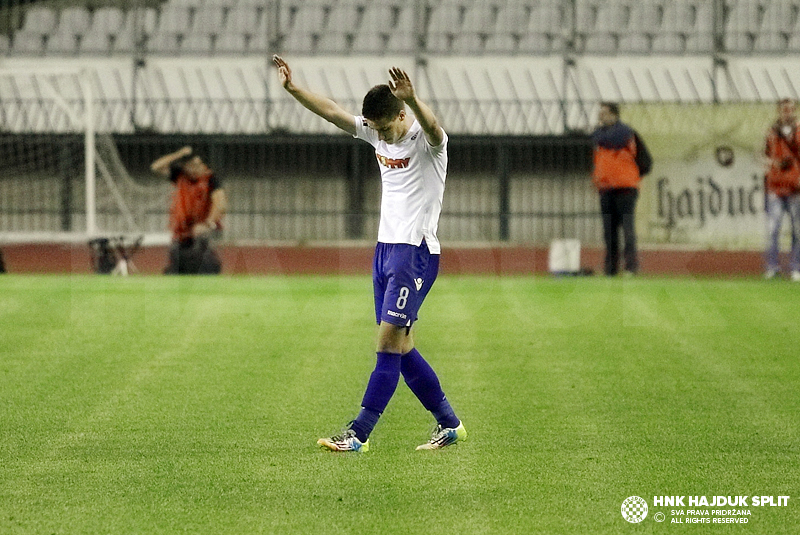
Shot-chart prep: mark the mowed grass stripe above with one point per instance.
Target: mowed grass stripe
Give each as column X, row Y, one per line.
column 577, row 393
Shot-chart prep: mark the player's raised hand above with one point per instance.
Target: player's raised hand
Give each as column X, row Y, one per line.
column 400, row 84
column 284, row 72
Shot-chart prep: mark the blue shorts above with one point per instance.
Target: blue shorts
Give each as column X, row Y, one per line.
column 402, row 275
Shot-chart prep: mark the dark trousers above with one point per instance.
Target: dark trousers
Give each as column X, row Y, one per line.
column 193, row 257
column 618, row 206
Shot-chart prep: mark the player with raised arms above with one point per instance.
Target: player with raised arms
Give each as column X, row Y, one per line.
column 412, row 155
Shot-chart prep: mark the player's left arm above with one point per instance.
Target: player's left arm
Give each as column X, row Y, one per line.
column 402, row 88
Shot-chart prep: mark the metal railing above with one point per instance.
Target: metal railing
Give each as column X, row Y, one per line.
column 325, row 188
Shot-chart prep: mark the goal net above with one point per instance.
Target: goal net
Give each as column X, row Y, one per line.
column 60, row 178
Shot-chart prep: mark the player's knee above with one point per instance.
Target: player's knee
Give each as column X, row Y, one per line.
column 394, row 339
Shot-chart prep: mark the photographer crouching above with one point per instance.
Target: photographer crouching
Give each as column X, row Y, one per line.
column 198, row 205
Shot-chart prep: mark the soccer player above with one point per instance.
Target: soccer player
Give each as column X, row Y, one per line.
column 412, row 154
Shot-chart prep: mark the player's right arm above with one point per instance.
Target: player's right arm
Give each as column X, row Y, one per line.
column 161, row 165
column 322, row 106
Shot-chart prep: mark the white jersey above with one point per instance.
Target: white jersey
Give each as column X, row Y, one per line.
column 412, row 178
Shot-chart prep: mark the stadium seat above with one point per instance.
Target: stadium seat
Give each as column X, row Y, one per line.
column 198, row 43
column 401, row 42
column 343, row 17
column 501, row 43
column 669, row 43
column 309, row 19
column 479, row 18
column 372, row 35
column 738, row 42
column 231, row 43
column 545, row 18
column 585, row 16
column 31, row 38
column 299, row 43
column 444, row 24
column 107, row 22
column 468, row 43
column 743, row 17
column 174, row 25
column 368, row 42
column 778, row 17
column 612, row 17
column 331, row 42
column 41, row 20
column 242, row 19
column 143, row 21
column 165, row 42
column 535, row 43
column 645, row 18
column 261, row 39
column 338, row 34
column 401, row 39
column 209, row 20
column 511, row 19
column 600, row 43
column 377, row 18
column 187, row 3
column 27, row 43
column 174, row 20
column 634, row 43
column 771, row 42
column 700, row 43
column 72, row 25
column 793, row 43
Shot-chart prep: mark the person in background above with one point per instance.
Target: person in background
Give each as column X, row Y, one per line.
column 782, row 188
column 616, row 176
column 198, row 205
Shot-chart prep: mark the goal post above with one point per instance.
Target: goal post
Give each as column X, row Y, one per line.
column 61, row 178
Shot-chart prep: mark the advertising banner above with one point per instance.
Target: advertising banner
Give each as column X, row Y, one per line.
column 707, row 185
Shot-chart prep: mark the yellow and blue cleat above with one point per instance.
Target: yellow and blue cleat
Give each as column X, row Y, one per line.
column 347, row 441
column 445, row 436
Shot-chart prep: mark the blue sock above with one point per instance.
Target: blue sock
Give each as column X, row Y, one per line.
column 422, row 380
column 380, row 389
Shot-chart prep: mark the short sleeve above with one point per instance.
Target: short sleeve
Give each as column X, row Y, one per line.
column 440, row 148
column 364, row 132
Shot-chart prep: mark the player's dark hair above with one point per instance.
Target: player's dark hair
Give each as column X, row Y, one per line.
column 380, row 104
column 613, row 107
column 783, row 101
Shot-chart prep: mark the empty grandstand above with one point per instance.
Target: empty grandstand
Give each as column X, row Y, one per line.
column 515, row 82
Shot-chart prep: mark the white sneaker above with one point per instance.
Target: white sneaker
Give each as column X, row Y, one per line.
column 770, row 274
column 796, row 276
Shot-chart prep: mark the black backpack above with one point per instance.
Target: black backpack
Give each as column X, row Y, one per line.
column 644, row 161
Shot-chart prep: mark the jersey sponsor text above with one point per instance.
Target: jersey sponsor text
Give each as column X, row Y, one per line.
column 392, row 163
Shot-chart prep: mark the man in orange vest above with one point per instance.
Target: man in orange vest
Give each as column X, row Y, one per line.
column 616, row 176
column 198, row 204
column 783, row 186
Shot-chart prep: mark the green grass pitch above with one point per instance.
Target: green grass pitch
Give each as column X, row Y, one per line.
column 192, row 405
